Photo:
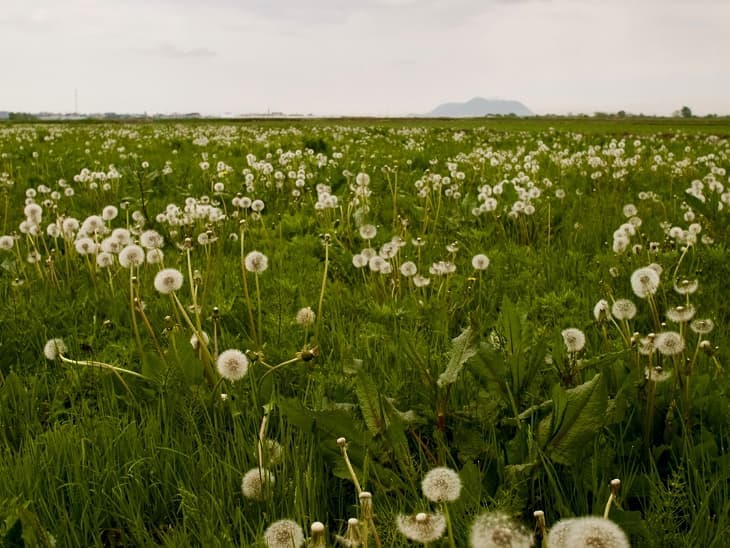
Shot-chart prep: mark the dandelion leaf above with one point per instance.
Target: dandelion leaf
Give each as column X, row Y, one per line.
column 152, row 366
column 577, row 416
column 699, row 205
column 463, row 348
column 367, row 397
column 512, row 326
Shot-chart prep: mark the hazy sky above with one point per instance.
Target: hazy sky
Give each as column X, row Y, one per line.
column 363, row 56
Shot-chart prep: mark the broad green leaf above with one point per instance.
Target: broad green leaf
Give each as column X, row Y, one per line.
column 511, row 326
column 699, row 206
column 488, row 366
column 367, row 397
column 564, row 439
column 463, row 348
column 153, row 366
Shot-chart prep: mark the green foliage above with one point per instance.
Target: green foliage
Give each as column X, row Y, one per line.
column 578, row 414
column 469, row 371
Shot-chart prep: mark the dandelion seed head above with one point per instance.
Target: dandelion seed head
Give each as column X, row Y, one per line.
column 305, row 317
column 702, row 326
column 151, row 239
column 669, row 343
column 109, row 213
column 359, row 260
column 168, row 280
column 629, row 210
column 657, row 374
column 131, row 255
column 257, row 483
column 155, row 256
column 595, row 532
column 232, row 364
column 441, row 484
column 7, row 243
column 686, row 287
column 623, row 309
column 421, row 281
column 255, row 261
column 105, row 259
column 195, row 342
column 368, row 232
column 284, row 533
column 408, row 269
column 480, row 261
column 53, row 348
column 644, row 282
column 602, row 310
column 421, row 527
column 85, row 246
column 681, row 314
column 497, row 530
column 574, row 339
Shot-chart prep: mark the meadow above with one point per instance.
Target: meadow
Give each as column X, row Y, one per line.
column 207, row 328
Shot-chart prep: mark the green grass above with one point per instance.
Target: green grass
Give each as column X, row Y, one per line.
column 469, row 372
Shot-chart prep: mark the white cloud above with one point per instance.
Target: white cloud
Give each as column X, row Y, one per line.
column 368, row 56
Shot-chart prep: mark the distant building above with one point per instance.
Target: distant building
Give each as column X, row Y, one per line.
column 4, row 115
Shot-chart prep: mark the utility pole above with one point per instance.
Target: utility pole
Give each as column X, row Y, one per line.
column 76, row 101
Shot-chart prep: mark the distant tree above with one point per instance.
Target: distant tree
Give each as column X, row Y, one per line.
column 685, row 112
column 621, row 114
column 20, row 116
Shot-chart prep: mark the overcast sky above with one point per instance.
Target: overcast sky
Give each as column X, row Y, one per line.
column 384, row 57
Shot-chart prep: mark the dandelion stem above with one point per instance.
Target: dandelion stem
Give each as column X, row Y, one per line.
column 208, row 362
column 151, row 331
column 342, row 442
column 135, row 327
column 259, row 335
column 247, row 296
column 449, row 526
column 262, row 436
column 321, row 291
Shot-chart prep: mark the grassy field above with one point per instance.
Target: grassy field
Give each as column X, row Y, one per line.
column 540, row 306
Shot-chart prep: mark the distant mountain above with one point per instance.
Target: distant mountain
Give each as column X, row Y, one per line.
column 478, row 107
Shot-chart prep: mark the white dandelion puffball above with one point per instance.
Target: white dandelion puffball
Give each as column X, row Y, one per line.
column 623, row 309
column 702, row 326
column 256, row 262
column 480, row 261
column 232, row 365
column 558, row 532
column 305, row 317
column 54, row 348
column 131, row 255
column 151, row 239
column 574, row 339
column 104, row 259
column 368, row 232
column 408, row 269
column 681, row 314
column 422, row 527
column 109, row 213
column 441, row 484
column 195, row 343
column 284, row 533
column 587, row 531
column 257, row 483
column 669, row 343
column 168, row 280
column 645, row 282
column 602, row 310
column 495, row 530
column 6, row 243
